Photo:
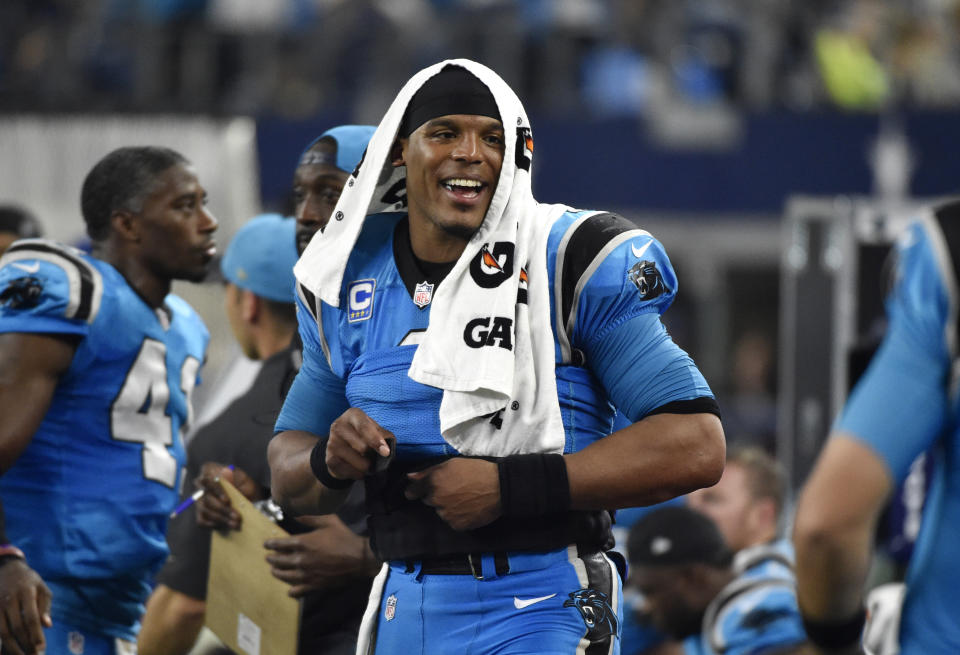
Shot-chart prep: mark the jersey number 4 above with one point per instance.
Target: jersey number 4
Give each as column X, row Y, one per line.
column 139, row 412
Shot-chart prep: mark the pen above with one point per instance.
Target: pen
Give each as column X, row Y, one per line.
column 197, row 495
column 187, row 503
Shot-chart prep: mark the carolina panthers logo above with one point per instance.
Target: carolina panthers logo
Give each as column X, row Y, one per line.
column 492, row 265
column 22, row 293
column 647, row 279
column 524, row 148
column 596, row 612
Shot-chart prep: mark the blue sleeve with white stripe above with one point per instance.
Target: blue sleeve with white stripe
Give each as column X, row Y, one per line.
column 40, row 291
column 900, row 406
column 317, row 396
column 619, row 329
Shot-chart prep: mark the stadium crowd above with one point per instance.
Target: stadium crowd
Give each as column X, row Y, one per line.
column 564, row 57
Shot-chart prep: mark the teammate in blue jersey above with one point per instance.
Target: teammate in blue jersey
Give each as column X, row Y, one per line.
column 464, row 348
column 97, row 364
column 745, row 505
column 695, row 589
column 905, row 404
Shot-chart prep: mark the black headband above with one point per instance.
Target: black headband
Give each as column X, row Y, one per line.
column 454, row 90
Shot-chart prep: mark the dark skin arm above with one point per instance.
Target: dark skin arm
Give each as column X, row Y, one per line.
column 213, row 507
column 655, row 459
column 355, row 440
column 329, row 556
column 30, row 367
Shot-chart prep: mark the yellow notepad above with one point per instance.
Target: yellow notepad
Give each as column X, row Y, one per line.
column 248, row 608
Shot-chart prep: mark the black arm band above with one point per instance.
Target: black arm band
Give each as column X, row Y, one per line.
column 533, row 485
column 318, row 464
column 834, row 635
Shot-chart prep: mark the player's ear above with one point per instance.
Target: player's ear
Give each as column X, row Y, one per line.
column 396, row 152
column 250, row 305
column 125, row 225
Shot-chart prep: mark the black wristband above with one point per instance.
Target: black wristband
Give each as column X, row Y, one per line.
column 834, row 635
column 9, row 558
column 3, row 527
column 318, row 464
column 533, row 485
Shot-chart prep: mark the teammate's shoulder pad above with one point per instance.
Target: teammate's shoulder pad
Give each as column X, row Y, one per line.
column 32, row 268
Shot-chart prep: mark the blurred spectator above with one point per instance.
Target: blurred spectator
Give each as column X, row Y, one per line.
column 747, row 501
column 695, row 591
column 847, row 52
column 925, row 62
column 750, row 406
column 616, row 57
column 17, row 223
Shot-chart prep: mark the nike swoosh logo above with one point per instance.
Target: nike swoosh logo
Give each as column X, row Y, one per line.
column 27, row 267
column 520, row 604
column 639, row 253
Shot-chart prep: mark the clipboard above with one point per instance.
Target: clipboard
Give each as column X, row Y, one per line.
column 248, row 608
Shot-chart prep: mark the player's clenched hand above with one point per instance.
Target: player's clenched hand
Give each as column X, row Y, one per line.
column 24, row 608
column 213, row 508
column 354, row 443
column 329, row 556
column 464, row 491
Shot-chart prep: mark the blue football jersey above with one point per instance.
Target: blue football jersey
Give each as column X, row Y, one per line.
column 757, row 611
column 89, row 497
column 906, row 404
column 609, row 284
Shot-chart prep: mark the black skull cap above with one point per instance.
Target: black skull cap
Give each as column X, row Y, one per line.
column 454, row 90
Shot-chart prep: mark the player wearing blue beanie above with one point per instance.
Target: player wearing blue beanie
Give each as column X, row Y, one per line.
column 321, row 172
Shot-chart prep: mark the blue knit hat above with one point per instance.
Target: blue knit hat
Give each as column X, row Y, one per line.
column 261, row 256
column 351, row 141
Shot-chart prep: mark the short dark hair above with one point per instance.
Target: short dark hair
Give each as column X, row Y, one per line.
column 285, row 312
column 121, row 180
column 765, row 475
column 19, row 221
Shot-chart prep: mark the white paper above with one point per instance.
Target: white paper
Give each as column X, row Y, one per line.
column 248, row 635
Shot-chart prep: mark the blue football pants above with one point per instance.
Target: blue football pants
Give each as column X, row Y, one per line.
column 554, row 603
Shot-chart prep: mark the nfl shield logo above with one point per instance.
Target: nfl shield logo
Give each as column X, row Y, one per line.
column 391, row 609
column 423, row 294
column 75, row 643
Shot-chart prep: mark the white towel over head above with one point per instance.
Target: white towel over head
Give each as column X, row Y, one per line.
column 499, row 397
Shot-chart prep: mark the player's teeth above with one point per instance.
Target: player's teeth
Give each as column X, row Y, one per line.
column 463, row 182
